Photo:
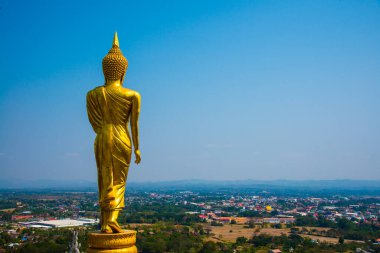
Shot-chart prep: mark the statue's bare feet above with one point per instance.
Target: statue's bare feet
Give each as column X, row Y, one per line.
column 106, row 229
column 115, row 227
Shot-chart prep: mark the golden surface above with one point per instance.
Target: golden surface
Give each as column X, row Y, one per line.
column 114, row 63
column 110, row 108
column 121, row 242
column 125, row 250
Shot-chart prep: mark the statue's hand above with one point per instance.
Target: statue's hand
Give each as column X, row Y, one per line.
column 138, row 156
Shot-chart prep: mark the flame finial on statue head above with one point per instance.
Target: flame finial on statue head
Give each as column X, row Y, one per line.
column 114, row 63
column 115, row 40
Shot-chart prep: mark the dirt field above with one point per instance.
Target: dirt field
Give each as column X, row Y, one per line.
column 229, row 233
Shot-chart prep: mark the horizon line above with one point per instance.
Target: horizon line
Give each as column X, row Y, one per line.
column 191, row 179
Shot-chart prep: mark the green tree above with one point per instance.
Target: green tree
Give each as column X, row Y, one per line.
column 241, row 240
column 6, row 217
column 208, row 247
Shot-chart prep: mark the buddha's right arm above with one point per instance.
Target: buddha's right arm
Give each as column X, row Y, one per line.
column 136, row 103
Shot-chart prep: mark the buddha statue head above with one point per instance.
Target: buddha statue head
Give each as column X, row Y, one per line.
column 114, row 63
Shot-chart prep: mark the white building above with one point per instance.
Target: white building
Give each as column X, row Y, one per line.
column 60, row 223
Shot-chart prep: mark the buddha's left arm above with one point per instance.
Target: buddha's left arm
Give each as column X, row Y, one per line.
column 94, row 115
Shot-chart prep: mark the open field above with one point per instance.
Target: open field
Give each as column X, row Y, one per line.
column 229, row 233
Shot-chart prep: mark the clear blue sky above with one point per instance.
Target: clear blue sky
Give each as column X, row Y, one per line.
column 230, row 89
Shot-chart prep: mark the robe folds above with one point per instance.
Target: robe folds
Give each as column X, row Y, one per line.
column 109, row 112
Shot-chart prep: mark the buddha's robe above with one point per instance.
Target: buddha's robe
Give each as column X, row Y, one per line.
column 109, row 111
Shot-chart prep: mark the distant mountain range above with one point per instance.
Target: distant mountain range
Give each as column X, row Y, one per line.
column 366, row 185
column 46, row 184
column 300, row 187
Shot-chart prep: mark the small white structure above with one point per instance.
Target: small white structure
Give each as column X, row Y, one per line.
column 60, row 223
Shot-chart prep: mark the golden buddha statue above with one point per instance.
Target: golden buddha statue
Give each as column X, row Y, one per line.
column 110, row 108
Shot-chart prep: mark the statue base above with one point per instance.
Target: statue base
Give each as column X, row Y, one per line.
column 112, row 243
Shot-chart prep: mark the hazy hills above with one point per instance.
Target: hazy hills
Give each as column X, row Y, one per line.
column 339, row 186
